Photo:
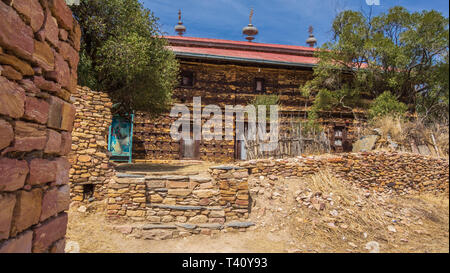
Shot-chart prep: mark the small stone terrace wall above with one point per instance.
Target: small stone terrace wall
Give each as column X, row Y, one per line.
column 380, row 171
column 173, row 206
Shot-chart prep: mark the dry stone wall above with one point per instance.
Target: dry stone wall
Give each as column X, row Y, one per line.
column 380, row 171
column 91, row 169
column 39, row 44
column 172, row 206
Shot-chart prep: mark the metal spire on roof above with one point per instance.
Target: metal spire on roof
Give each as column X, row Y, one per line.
column 250, row 30
column 312, row 41
column 180, row 29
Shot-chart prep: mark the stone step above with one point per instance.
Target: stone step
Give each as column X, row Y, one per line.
column 180, row 207
column 213, row 226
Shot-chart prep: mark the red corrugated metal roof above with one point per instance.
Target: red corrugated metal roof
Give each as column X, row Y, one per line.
column 249, row 51
column 246, row 54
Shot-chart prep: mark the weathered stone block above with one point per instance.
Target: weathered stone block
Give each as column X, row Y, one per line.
column 36, row 109
column 66, row 143
column 7, row 203
column 15, row 35
column 53, row 144
column 62, row 171
column 27, row 210
column 51, row 30
column 198, row 219
column 21, row 66
column 32, row 12
column 13, row 174
column 59, row 246
column 49, row 204
column 41, row 171
column 43, row 56
column 63, row 198
column 62, row 71
column 29, row 136
column 6, row 134
column 12, row 98
column 49, row 232
column 45, row 85
column 20, row 244
column 69, row 54
column 179, row 192
column 62, row 13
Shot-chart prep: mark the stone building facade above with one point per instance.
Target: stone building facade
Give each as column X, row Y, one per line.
column 224, row 72
column 39, row 44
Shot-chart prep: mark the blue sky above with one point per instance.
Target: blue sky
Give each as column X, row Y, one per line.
column 278, row 21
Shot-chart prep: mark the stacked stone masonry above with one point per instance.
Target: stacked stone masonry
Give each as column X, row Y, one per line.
column 89, row 157
column 379, row 171
column 173, row 206
column 39, row 44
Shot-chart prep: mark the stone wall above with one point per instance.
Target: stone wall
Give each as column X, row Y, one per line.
column 380, row 171
column 39, row 44
column 172, row 206
column 89, row 157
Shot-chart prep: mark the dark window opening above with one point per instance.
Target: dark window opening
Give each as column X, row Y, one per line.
column 187, row 79
column 88, row 191
column 259, row 85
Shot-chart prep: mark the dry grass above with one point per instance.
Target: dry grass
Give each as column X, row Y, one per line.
column 421, row 222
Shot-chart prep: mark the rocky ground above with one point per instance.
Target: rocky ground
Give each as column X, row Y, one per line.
column 316, row 214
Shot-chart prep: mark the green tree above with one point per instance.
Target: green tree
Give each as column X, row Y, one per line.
column 122, row 53
column 398, row 51
column 386, row 104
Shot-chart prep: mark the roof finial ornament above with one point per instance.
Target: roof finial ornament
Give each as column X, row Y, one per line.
column 180, row 29
column 250, row 30
column 312, row 41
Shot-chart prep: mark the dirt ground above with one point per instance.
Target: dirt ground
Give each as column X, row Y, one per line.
column 354, row 221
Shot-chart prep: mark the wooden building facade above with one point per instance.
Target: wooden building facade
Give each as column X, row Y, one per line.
column 224, row 72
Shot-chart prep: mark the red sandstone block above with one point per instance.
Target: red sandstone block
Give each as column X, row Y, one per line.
column 51, row 30
column 62, row 13
column 29, row 86
column 13, row 174
column 29, row 136
column 20, row 244
column 49, row 86
column 42, row 171
column 7, row 203
column 53, row 142
column 6, row 134
column 12, row 97
column 49, row 204
column 63, row 198
column 69, row 54
column 36, row 109
column 61, row 114
column 63, row 35
column 62, row 171
column 27, row 210
column 75, row 36
column 49, row 232
column 10, row 73
column 32, row 12
column 43, row 55
column 59, row 246
column 62, row 71
column 66, row 143
column 15, row 35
